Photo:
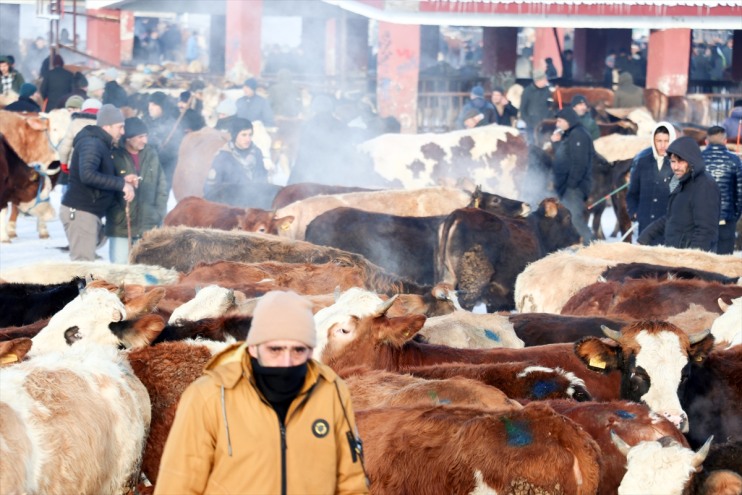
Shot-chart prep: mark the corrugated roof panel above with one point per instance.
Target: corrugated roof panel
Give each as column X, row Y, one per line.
column 663, row 3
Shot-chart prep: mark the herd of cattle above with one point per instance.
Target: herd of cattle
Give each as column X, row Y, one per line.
column 609, row 368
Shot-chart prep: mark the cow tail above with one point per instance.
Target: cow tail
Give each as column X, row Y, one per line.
column 226, row 424
column 448, row 272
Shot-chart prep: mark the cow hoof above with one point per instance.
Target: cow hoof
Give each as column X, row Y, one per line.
column 44, row 235
column 12, row 235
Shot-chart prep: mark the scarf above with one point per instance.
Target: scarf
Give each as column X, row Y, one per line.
column 279, row 385
column 674, row 183
column 7, row 83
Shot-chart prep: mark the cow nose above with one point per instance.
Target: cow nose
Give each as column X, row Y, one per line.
column 679, row 420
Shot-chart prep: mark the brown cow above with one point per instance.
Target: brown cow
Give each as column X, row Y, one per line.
column 303, row 190
column 198, row 212
column 547, row 328
column 457, row 450
column 29, row 138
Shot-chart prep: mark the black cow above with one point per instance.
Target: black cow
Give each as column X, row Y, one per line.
column 623, row 271
column 547, row 328
column 481, row 253
column 402, row 245
column 22, row 304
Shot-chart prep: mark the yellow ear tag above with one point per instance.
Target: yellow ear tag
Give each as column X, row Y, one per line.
column 285, row 226
column 597, row 362
column 10, row 358
column 476, row 203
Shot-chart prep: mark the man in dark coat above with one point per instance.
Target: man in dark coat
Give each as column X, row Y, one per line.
column 582, row 109
column 478, row 108
column 649, row 183
column 25, row 102
column 535, row 103
column 726, row 169
column 254, row 107
column 57, row 83
column 573, row 156
column 93, row 183
column 693, row 210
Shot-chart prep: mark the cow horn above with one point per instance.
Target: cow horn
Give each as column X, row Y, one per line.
column 613, row 334
column 382, row 308
column 724, row 306
column 698, row 336
column 622, row 446
column 336, row 294
column 702, row 453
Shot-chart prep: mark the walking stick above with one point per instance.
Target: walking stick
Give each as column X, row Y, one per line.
column 177, row 123
column 559, row 98
column 628, row 232
column 128, row 225
column 604, row 198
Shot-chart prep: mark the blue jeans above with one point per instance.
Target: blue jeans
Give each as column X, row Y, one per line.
column 118, row 249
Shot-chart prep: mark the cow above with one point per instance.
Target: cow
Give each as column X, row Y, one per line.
column 623, row 271
column 650, row 299
column 198, row 212
column 380, row 342
column 60, row 272
column 296, row 192
column 370, row 389
column 28, row 136
column 27, row 303
column 676, row 462
column 547, row 328
column 727, row 328
column 534, row 450
column 728, row 265
column 633, row 422
column 494, row 156
column 481, row 253
column 209, row 302
column 403, row 245
column 523, row 380
column 415, row 203
column 654, row 359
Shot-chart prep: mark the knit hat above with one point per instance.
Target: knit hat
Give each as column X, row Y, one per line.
column 577, row 99
column 27, row 90
column 227, row 107
column 239, row 125
column 282, row 315
column 251, row 83
column 477, row 92
column 4, row 59
column 91, row 104
column 184, row 97
column 134, row 126
column 158, row 98
column 569, row 115
column 95, row 84
column 538, row 75
column 74, row 101
column 109, row 115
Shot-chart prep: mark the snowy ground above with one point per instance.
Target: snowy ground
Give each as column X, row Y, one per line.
column 28, row 249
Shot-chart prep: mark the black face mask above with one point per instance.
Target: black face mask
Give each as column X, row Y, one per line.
column 279, row 384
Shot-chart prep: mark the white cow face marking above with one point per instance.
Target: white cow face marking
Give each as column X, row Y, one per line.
column 728, row 326
column 210, row 302
column 665, row 363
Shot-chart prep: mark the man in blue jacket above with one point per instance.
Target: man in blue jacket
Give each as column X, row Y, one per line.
column 726, row 169
column 93, row 183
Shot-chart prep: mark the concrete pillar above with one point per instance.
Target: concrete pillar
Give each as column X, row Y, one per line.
column 217, row 44
column 313, row 43
column 127, row 35
column 356, row 45
column 104, row 35
column 10, row 18
column 397, row 73
column 737, row 56
column 429, row 46
column 244, row 22
column 668, row 61
column 499, row 53
column 545, row 45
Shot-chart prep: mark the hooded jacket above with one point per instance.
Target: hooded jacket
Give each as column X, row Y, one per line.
column 234, row 168
column 573, row 157
column 726, row 169
column 628, row 94
column 649, row 185
column 93, row 181
column 692, row 219
column 227, row 439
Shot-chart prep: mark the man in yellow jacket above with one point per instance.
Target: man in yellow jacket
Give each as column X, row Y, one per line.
column 266, row 418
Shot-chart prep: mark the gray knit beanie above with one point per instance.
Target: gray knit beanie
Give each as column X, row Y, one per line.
column 282, row 315
column 109, row 115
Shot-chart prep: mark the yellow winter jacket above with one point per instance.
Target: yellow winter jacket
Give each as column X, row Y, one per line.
column 226, row 438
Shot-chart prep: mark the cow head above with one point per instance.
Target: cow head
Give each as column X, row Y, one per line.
column 356, row 340
column 554, row 225
column 263, row 221
column 654, row 359
column 498, row 204
column 29, row 137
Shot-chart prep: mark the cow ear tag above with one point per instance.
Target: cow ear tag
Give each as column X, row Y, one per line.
column 285, row 226
column 597, row 362
column 10, row 358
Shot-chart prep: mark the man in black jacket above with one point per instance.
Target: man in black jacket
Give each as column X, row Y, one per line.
column 726, row 169
column 25, row 102
column 93, row 183
column 573, row 157
column 692, row 219
column 535, row 103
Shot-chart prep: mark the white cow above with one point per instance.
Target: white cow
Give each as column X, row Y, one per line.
column 728, row 326
column 56, row 272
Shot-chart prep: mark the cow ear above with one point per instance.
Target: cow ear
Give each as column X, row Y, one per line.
column 138, row 333
column 144, row 304
column 37, row 124
column 597, row 354
column 700, row 350
column 551, row 208
column 283, row 223
column 12, row 351
column 397, row 331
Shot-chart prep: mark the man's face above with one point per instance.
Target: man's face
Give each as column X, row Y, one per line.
column 155, row 111
column 661, row 142
column 679, row 166
column 182, row 105
column 137, row 143
column 541, row 83
column 115, row 130
column 4, row 68
column 496, row 97
column 280, row 353
column 580, row 109
column 243, row 139
column 248, row 91
column 562, row 124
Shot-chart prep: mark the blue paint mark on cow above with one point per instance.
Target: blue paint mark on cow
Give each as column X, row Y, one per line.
column 491, row 335
column 151, row 279
column 518, row 432
column 543, row 388
column 625, row 414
